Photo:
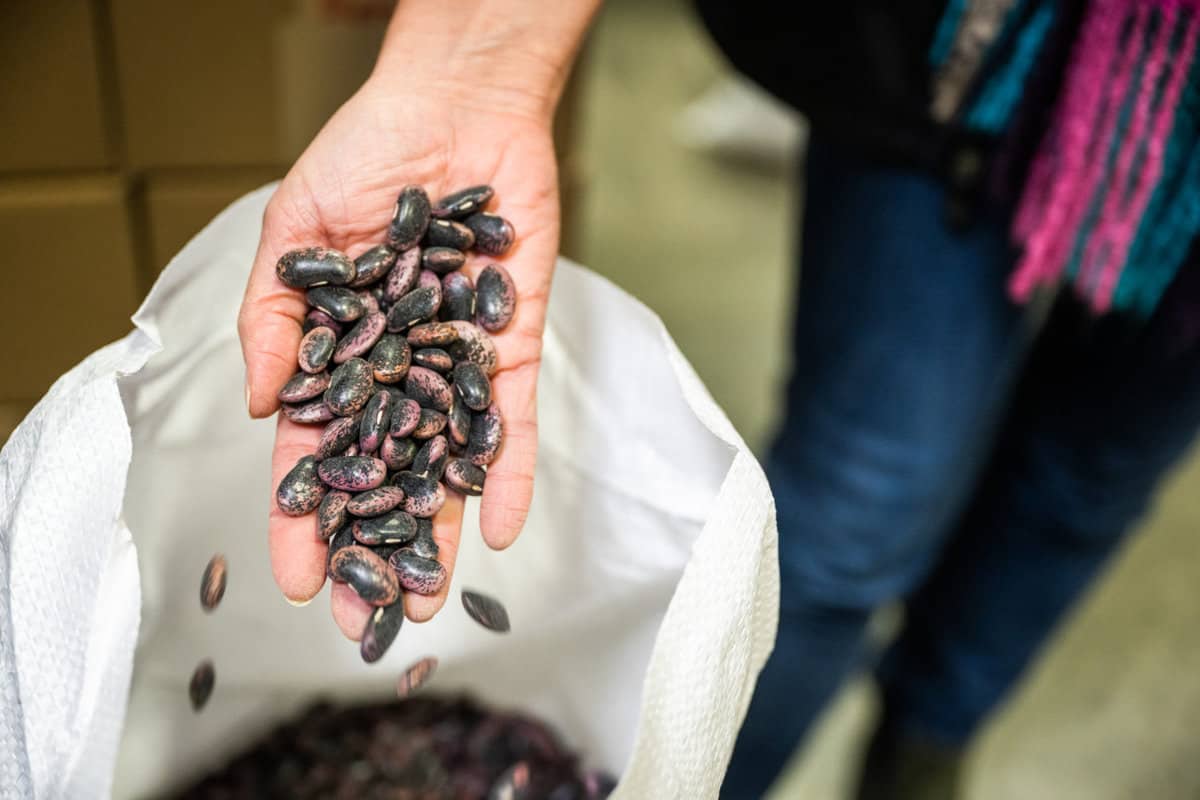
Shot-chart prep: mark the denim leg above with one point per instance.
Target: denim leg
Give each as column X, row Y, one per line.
column 1099, row 418
column 904, row 350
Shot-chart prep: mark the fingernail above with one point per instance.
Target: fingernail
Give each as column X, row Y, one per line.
column 248, row 395
column 297, row 603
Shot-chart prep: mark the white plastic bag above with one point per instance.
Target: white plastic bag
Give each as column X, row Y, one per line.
column 643, row 591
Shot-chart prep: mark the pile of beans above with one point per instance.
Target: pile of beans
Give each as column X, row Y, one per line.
column 425, row 748
column 396, row 362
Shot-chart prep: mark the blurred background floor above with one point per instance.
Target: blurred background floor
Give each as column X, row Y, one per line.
column 1109, row 710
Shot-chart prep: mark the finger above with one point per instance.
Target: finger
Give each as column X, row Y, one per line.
column 508, row 490
column 297, row 554
column 447, row 528
column 269, row 320
column 350, row 611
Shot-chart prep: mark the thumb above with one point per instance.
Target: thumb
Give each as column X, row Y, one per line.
column 269, row 323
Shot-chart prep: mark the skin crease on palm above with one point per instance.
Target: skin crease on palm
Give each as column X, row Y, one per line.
column 340, row 194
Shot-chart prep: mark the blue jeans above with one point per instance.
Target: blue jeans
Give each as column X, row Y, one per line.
column 935, row 452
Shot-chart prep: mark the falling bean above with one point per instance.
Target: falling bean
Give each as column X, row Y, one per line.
column 314, row 266
column 447, row 233
column 375, row 418
column 410, row 218
column 367, row 574
column 487, row 432
column 472, row 385
column 416, row 676
column 465, row 477
column 350, row 387
column 487, row 611
column 419, row 575
column 361, row 338
column 390, row 358
column 316, row 348
column 301, row 490
column 495, row 298
column 374, row 502
column 352, row 473
column 372, row 265
column 201, row 685
column 338, row 302
column 212, row 584
column 337, row 436
column 493, row 233
column 380, row 631
column 304, row 386
column 331, row 514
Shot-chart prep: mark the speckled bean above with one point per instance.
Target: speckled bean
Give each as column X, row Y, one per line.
column 442, row 259
column 341, row 539
column 428, row 388
column 341, row 303
column 353, row 473
column 487, row 611
column 314, row 266
column 431, row 424
column 465, row 477
column 369, row 301
column 367, row 574
column 422, row 497
column 361, row 338
column 331, row 514
column 472, row 385
column 431, row 458
column 372, row 265
column 458, row 422
column 375, row 418
column 337, row 436
column 473, row 345
column 402, row 278
column 495, row 298
column 410, row 218
column 305, row 413
column 374, row 502
column 463, row 202
column 390, row 358
column 212, row 583
column 448, row 233
column 493, row 233
column 458, row 298
column 304, row 386
column 395, row 527
column 417, row 306
column 316, row 318
column 433, row 358
column 419, row 575
column 350, row 387
column 487, row 432
column 301, row 490
column 424, row 544
column 416, row 676
column 380, row 631
column 432, row 334
column 405, row 418
column 397, row 453
column 316, row 348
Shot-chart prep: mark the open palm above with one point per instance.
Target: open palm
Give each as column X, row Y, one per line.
column 340, row 194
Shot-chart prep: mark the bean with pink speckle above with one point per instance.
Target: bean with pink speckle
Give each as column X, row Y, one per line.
column 353, row 473
column 316, row 348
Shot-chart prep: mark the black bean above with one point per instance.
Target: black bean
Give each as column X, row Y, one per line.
column 350, row 387
column 301, row 490
column 433, row 358
column 472, row 385
column 212, row 584
column 495, row 298
column 493, row 233
column 331, row 514
column 431, row 458
column 487, row 432
column 337, row 436
column 374, row 502
column 390, row 358
column 341, row 303
column 402, row 278
column 304, row 386
column 361, row 338
column 367, row 574
column 201, row 685
column 314, row 266
column 487, row 611
column 352, row 473
column 428, row 388
column 375, row 418
column 417, row 306
column 372, row 265
column 442, row 259
column 394, row 527
column 409, row 218
column 463, row 476
column 316, row 348
column 419, row 575
column 380, row 631
column 463, row 202
column 447, row 233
